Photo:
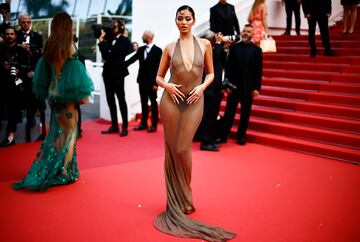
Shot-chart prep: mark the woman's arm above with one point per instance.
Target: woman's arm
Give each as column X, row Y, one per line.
column 196, row 93
column 170, row 88
column 264, row 17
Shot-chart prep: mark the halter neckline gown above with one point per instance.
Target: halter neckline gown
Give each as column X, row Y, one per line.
column 180, row 123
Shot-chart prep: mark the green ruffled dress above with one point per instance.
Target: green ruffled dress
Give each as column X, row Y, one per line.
column 55, row 163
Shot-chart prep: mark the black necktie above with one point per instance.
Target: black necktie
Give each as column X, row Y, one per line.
column 25, row 37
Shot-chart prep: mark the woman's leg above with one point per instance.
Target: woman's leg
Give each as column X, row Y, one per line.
column 68, row 122
column 353, row 11
column 346, row 18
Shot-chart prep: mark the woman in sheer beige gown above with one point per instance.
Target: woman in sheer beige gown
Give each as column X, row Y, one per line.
column 181, row 110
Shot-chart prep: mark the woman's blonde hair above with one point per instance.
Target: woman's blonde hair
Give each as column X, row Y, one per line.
column 255, row 6
column 58, row 45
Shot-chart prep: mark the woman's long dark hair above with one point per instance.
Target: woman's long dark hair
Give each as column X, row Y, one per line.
column 58, row 45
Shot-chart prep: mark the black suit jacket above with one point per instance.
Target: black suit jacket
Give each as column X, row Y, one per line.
column 316, row 8
column 147, row 68
column 36, row 46
column 114, row 56
column 244, row 68
column 224, row 23
column 219, row 59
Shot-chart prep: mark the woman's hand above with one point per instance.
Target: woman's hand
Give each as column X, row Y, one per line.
column 195, row 94
column 174, row 92
column 84, row 101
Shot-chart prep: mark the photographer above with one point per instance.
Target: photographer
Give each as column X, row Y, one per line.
column 5, row 13
column 114, row 50
column 244, row 70
column 14, row 65
column 213, row 94
column 32, row 42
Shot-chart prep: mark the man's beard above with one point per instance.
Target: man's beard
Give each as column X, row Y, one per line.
column 246, row 39
column 9, row 41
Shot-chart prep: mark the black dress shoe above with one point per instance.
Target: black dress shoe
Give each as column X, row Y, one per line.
column 329, row 53
column 6, row 143
column 312, row 53
column 123, row 133
column 152, row 129
column 140, row 127
column 209, row 147
column 110, row 130
column 221, row 140
column 286, row 33
column 241, row 141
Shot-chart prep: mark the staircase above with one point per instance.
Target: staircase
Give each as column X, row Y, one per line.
column 310, row 105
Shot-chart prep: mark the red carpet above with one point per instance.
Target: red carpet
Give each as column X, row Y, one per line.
column 311, row 105
column 261, row 193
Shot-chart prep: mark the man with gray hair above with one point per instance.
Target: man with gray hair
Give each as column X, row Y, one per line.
column 32, row 42
column 149, row 56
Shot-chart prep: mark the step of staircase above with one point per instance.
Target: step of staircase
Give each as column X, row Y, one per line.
column 314, row 67
column 333, row 36
column 306, row 133
column 351, row 89
column 304, row 119
column 320, row 76
column 281, row 57
column 312, row 96
column 304, row 146
column 308, row 107
column 320, row 51
column 315, row 121
column 305, row 43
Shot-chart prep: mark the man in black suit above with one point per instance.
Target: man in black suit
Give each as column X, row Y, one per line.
column 149, row 57
column 290, row 7
column 244, row 70
column 32, row 42
column 319, row 12
column 213, row 95
column 5, row 14
column 223, row 19
column 114, row 50
column 14, row 64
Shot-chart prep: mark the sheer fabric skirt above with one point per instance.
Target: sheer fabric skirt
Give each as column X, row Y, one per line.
column 180, row 124
column 55, row 163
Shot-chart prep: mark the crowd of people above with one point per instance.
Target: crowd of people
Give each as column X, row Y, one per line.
column 224, row 61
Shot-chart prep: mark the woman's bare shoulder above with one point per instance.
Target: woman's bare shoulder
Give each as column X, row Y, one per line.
column 169, row 48
column 204, row 43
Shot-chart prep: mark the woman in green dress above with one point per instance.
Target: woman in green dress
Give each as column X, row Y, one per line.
column 62, row 79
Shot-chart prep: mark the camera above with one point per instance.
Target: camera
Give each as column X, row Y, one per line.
column 13, row 77
column 13, row 72
column 108, row 29
column 97, row 28
column 231, row 38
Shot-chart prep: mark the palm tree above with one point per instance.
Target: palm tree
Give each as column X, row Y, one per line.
column 125, row 8
column 44, row 8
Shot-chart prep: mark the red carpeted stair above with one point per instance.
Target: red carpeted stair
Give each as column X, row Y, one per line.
column 311, row 105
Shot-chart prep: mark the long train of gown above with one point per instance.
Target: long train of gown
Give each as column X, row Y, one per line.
column 180, row 123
